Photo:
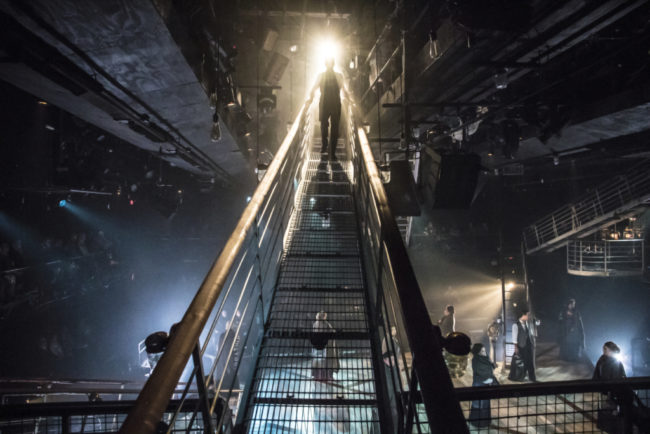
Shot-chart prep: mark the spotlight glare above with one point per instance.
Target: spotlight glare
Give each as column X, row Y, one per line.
column 510, row 285
column 326, row 49
column 63, row 203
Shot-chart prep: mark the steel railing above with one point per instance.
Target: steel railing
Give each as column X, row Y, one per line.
column 411, row 359
column 605, row 257
column 228, row 311
column 235, row 299
column 582, row 406
column 604, row 204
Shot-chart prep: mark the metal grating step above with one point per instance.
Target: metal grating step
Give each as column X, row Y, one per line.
column 326, row 166
column 317, row 289
column 328, row 189
column 299, row 272
column 295, row 418
column 296, row 310
column 338, row 222
column 316, row 175
column 321, row 243
column 288, row 367
column 326, row 203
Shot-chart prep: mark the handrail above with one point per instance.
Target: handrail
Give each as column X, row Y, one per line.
column 443, row 410
column 549, row 388
column 157, row 391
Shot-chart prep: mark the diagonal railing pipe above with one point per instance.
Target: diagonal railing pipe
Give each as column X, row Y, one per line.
column 156, row 393
column 442, row 407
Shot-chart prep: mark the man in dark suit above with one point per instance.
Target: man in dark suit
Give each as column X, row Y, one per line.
column 524, row 339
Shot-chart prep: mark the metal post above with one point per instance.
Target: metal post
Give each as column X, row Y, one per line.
column 65, row 424
column 204, row 401
column 410, row 412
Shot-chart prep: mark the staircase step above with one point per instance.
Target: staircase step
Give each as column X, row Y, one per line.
column 322, row 243
column 326, row 203
column 321, row 273
column 328, row 222
column 328, row 189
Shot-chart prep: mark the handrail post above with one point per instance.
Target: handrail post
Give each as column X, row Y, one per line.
column 204, row 401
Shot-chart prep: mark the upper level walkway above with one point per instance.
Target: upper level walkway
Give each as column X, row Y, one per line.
column 610, row 202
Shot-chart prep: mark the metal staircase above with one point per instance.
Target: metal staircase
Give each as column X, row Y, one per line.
column 613, row 201
column 310, row 320
column 297, row 387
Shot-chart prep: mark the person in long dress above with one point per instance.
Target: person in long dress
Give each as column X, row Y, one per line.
column 325, row 358
column 572, row 335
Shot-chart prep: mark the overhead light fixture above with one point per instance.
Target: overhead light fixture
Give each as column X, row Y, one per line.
column 63, row 203
column 293, row 48
column 49, row 127
column 41, row 102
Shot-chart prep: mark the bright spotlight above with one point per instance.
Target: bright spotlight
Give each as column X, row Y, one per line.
column 63, row 203
column 326, row 49
column 510, row 285
column 619, row 357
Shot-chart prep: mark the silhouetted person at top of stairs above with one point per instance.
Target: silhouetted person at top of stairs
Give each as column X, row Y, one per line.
column 330, row 83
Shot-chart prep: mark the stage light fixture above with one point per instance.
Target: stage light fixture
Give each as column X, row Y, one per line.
column 41, row 102
column 63, row 203
column 293, row 48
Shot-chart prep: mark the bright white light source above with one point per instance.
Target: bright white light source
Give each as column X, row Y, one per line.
column 326, row 49
column 619, row 357
column 510, row 285
column 293, row 48
column 248, row 198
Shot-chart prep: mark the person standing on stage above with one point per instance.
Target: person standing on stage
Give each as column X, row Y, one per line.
column 483, row 369
column 447, row 323
column 572, row 335
column 524, row 339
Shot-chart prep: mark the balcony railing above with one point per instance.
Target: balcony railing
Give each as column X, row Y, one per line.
column 611, row 201
column 605, row 257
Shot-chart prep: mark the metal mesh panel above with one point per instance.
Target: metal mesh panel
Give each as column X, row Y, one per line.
column 328, row 188
column 296, row 310
column 305, row 382
column 326, row 203
column 314, row 419
column 325, row 273
column 324, row 243
column 325, row 221
column 586, row 412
